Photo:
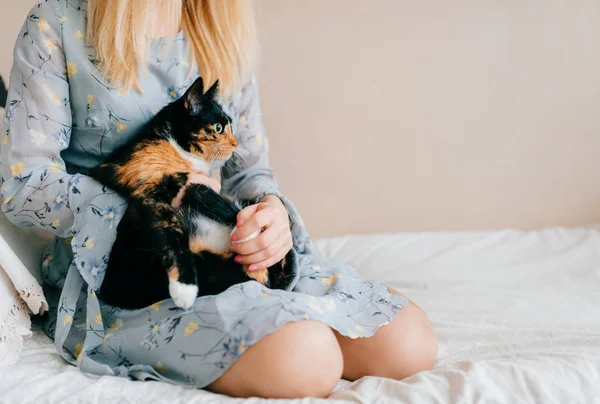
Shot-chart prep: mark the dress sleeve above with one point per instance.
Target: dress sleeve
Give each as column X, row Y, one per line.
column 37, row 127
column 36, row 188
column 248, row 175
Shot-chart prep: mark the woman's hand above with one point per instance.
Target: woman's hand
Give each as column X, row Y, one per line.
column 270, row 246
column 197, row 178
column 205, row 179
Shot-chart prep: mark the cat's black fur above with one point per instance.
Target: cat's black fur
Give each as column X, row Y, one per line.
column 154, row 238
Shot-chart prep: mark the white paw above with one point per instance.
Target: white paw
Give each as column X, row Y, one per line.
column 183, row 295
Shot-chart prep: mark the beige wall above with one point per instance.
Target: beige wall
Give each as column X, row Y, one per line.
column 12, row 15
column 389, row 115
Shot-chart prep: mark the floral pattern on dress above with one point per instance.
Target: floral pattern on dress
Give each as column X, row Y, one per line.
column 63, row 118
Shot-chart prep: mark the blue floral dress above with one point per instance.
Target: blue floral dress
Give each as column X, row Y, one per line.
column 63, row 117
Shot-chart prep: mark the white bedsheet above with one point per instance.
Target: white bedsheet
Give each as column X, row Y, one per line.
column 517, row 315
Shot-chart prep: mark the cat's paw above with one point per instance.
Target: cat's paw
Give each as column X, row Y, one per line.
column 183, row 295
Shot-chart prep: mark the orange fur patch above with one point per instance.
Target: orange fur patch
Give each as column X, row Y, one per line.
column 173, row 273
column 149, row 164
column 197, row 246
column 261, row 275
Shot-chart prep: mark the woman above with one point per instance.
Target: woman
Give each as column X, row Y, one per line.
column 86, row 76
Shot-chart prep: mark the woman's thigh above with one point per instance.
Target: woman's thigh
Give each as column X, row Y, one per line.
column 405, row 346
column 300, row 359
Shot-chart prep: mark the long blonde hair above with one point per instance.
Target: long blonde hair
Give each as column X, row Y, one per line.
column 221, row 35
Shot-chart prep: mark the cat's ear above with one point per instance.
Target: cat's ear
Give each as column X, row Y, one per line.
column 193, row 96
column 213, row 92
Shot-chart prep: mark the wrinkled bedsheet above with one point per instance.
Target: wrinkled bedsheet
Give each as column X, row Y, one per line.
column 517, row 316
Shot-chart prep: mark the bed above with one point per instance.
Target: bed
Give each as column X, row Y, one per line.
column 516, row 313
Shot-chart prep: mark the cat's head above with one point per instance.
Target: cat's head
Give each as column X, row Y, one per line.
column 205, row 129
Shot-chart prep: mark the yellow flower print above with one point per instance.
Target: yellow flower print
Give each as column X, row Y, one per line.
column 265, row 293
column 43, row 25
column 330, row 280
column 316, row 268
column 359, row 328
column 72, row 69
column 78, row 35
column 55, row 168
column 306, row 317
column 68, row 319
column 50, row 45
column 155, row 328
column 243, row 119
column 118, row 324
column 90, row 99
column 5, row 140
column 159, row 367
column 7, row 200
column 259, row 137
column 190, row 328
column 89, row 243
column 55, row 223
column 78, row 349
column 37, row 137
column 63, row 18
column 52, row 95
column 155, row 306
column 16, row 169
column 98, row 319
column 329, row 303
column 315, row 308
column 121, row 127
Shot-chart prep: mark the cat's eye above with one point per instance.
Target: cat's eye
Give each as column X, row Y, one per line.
column 218, row 128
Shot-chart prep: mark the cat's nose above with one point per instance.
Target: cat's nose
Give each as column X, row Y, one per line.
column 234, row 142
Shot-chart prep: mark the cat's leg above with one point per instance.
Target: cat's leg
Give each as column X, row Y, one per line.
column 170, row 241
column 214, row 218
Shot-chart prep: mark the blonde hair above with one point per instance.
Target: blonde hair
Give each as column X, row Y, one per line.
column 221, row 35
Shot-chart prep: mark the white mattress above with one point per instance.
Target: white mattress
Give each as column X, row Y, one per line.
column 517, row 315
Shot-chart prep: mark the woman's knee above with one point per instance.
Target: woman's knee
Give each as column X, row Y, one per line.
column 405, row 346
column 409, row 343
column 301, row 359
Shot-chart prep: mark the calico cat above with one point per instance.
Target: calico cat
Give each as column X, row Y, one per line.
column 184, row 251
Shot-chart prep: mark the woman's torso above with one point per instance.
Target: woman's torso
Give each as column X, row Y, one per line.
column 104, row 116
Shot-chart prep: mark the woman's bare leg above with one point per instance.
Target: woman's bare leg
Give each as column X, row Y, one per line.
column 300, row 359
column 405, row 346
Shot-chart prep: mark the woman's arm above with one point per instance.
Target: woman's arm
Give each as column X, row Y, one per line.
column 249, row 176
column 37, row 190
column 37, row 127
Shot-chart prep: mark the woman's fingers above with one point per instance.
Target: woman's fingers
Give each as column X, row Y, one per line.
column 245, row 214
column 256, row 222
column 278, row 256
column 259, row 248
